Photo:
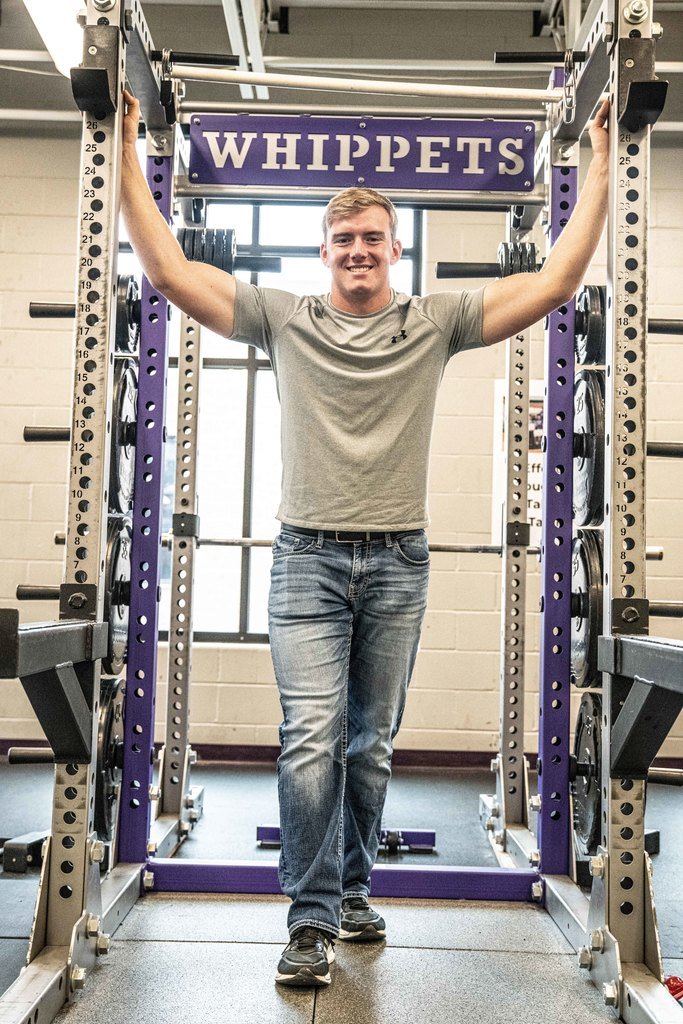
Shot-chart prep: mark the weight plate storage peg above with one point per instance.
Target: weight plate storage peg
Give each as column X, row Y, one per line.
column 123, row 430
column 586, row 776
column 117, row 593
column 589, row 330
column 589, row 447
column 586, row 607
column 127, row 314
column 109, row 756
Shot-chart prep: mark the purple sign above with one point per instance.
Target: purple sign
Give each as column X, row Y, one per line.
column 385, row 153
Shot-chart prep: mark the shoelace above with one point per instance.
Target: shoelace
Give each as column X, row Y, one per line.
column 308, row 940
column 356, row 903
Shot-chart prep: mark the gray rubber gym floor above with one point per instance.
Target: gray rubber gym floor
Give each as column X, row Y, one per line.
column 211, row 958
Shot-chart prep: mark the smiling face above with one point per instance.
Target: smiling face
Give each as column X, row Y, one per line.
column 359, row 250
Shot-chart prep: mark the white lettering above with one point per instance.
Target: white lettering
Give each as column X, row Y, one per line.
column 237, row 156
column 428, row 153
column 345, row 154
column 287, row 149
column 316, row 163
column 517, row 163
column 402, row 150
column 473, row 147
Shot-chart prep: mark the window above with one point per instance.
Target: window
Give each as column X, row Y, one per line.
column 239, row 468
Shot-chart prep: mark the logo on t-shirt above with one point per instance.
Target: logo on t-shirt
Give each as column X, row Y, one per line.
column 395, row 338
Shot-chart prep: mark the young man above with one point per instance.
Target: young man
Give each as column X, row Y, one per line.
column 357, row 372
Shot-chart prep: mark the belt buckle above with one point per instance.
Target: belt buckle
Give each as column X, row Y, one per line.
column 355, row 536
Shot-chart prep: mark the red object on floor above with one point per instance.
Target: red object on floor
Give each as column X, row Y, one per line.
column 675, row 986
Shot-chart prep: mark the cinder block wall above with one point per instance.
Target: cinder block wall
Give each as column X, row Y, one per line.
column 453, row 704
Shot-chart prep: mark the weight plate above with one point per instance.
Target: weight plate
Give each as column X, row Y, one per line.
column 117, row 593
column 528, row 258
column 127, row 314
column 586, row 607
column 589, row 447
column 216, row 246
column 586, row 785
column 589, row 333
column 124, row 415
column 109, row 757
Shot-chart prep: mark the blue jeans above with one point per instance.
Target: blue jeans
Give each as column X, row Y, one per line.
column 344, row 622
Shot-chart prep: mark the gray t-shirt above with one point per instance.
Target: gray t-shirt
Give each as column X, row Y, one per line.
column 358, row 395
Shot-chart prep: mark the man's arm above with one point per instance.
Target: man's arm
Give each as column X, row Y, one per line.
column 205, row 293
column 514, row 303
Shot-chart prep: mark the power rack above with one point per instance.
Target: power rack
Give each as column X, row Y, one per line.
column 59, row 663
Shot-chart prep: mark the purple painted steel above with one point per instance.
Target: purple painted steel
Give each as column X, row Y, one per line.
column 134, row 820
column 391, row 153
column 555, row 826
column 409, row 881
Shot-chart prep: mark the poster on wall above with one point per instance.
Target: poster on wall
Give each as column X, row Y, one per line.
column 535, row 473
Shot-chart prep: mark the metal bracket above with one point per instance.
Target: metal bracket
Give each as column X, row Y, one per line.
column 644, row 104
column 78, row 601
column 94, row 81
column 630, row 615
column 185, row 525
column 63, row 712
column 518, row 534
column 641, row 94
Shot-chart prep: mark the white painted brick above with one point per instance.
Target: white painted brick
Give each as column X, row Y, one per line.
column 455, row 434
column 248, row 704
column 237, row 665
column 267, row 735
column 15, row 703
column 19, row 196
column 21, row 729
column 438, row 631
column 435, row 709
column 26, row 156
column 48, row 503
column 237, row 735
column 456, row 739
column 450, row 592
column 205, row 663
column 471, row 670
column 477, row 631
column 460, row 474
column 29, row 234
column 21, row 464
column 15, row 500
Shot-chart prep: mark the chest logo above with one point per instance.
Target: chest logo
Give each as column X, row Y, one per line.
column 395, row 338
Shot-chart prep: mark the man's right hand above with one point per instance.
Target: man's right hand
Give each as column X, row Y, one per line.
column 131, row 120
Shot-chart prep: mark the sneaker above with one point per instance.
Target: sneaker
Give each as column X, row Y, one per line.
column 359, row 922
column 307, row 958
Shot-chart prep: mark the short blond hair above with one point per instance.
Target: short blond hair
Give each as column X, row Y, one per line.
column 352, row 200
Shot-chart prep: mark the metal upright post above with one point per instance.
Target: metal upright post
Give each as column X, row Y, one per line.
column 622, row 905
column 554, row 822
column 176, row 798
column 511, row 775
column 134, row 822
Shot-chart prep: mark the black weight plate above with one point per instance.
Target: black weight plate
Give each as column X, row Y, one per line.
column 589, row 447
column 586, row 787
column 230, row 250
column 589, row 333
column 586, row 607
column 127, row 314
column 117, row 593
column 528, row 252
column 122, row 466
column 109, row 752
